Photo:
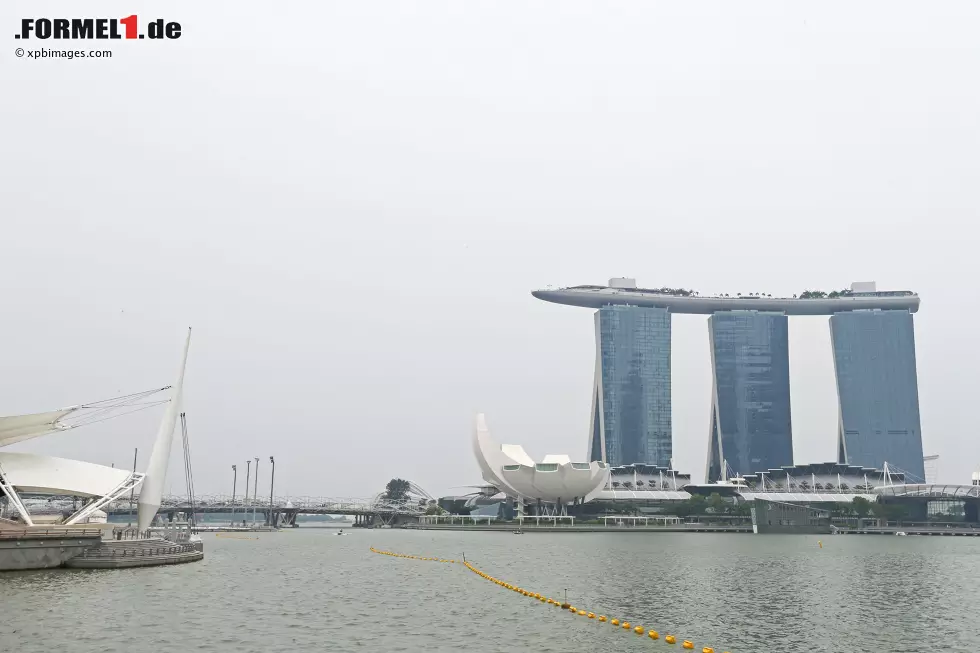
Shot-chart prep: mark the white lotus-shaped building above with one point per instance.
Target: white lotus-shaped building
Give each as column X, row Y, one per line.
column 554, row 480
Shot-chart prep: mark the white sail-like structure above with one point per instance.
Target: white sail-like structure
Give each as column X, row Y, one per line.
column 18, row 428
column 156, row 471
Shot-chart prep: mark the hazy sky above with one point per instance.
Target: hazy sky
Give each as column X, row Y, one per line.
column 351, row 202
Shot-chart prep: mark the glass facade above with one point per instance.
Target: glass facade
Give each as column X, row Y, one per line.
column 631, row 420
column 877, row 389
column 751, row 429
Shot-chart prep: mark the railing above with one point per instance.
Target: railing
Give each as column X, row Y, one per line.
column 171, row 533
column 16, row 534
column 218, row 503
column 114, row 552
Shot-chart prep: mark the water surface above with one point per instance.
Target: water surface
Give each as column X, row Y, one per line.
column 309, row 590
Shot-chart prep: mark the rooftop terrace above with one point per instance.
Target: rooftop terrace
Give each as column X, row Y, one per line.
column 861, row 296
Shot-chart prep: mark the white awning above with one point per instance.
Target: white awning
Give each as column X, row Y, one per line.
column 34, row 474
column 18, row 428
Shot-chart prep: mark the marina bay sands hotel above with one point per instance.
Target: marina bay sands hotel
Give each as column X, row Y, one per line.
column 750, row 426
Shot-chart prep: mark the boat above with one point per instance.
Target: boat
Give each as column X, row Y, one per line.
column 901, row 533
column 341, row 532
column 518, row 532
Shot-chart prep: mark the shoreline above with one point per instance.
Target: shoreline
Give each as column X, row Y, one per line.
column 510, row 528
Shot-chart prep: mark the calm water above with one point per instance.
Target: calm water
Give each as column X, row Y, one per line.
column 309, row 590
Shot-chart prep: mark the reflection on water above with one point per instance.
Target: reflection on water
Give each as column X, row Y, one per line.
column 305, row 590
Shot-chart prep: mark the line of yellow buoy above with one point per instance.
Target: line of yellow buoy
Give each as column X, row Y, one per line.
column 625, row 625
column 405, row 555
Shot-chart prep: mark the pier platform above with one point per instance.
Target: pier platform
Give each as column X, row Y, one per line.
column 909, row 530
column 43, row 548
column 137, row 553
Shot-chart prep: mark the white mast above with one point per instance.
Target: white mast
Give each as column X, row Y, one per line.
column 156, row 471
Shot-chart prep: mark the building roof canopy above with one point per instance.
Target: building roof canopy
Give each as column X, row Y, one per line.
column 35, row 474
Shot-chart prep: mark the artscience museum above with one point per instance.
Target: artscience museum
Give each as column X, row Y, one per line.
column 552, row 484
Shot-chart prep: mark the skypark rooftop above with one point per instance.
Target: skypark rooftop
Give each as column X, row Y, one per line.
column 861, row 296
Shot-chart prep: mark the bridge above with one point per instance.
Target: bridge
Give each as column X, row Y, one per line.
column 284, row 510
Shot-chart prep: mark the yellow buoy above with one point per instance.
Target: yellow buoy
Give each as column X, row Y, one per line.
column 581, row 613
column 626, row 625
column 654, row 634
column 820, row 544
column 592, row 615
column 638, row 630
column 602, row 617
column 688, row 644
column 670, row 639
column 615, row 622
column 707, row 649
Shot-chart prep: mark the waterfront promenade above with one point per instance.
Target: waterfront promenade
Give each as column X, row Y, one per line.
column 527, row 527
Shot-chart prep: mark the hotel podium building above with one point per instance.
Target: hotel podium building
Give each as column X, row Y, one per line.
column 750, row 425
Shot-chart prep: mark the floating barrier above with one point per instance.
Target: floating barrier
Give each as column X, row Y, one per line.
column 627, row 626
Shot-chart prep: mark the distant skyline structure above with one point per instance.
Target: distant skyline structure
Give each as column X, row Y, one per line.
column 631, row 414
column 751, row 429
column 877, row 390
column 750, row 426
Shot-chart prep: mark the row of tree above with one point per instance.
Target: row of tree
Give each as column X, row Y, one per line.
column 862, row 508
column 819, row 294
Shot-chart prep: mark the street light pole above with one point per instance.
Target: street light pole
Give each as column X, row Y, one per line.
column 248, row 472
column 255, row 492
column 272, row 487
column 234, row 486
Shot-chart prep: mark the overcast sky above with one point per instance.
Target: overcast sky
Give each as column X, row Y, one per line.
column 350, row 202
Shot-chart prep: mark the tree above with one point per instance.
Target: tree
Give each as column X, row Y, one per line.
column 434, row 509
column 396, row 490
column 698, row 504
column 639, row 484
column 880, row 511
column 615, row 484
column 627, row 484
column 717, row 503
column 862, row 507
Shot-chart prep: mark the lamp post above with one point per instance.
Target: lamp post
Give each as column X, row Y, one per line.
column 255, row 492
column 234, row 486
column 248, row 472
column 272, row 487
